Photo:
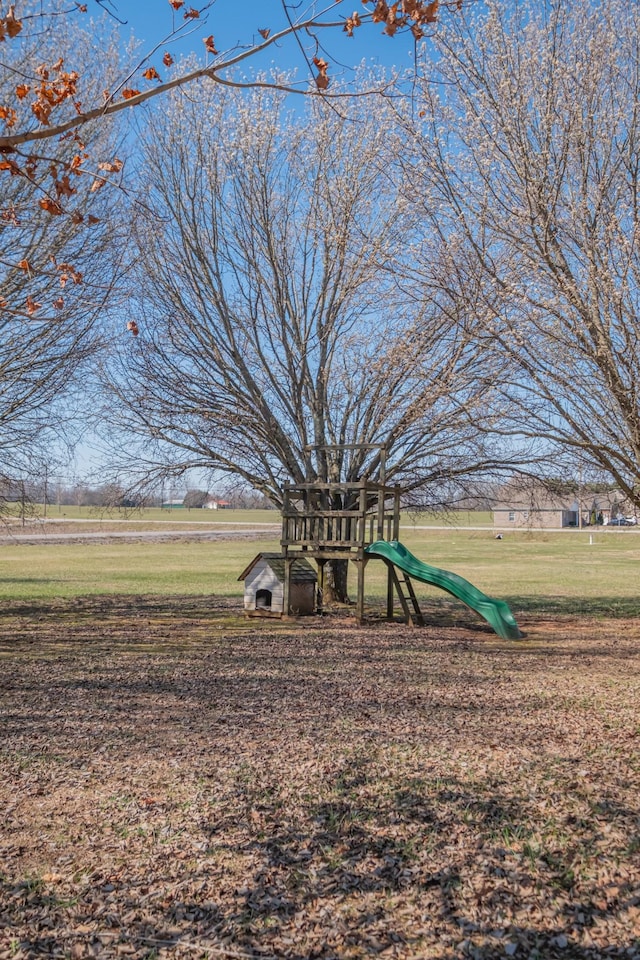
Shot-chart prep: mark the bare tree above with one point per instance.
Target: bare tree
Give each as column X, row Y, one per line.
column 56, row 279
column 271, row 324
column 529, row 152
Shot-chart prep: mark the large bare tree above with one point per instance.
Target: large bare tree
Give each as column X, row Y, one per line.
column 529, row 151
column 271, row 323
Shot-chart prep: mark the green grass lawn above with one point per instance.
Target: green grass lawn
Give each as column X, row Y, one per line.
column 571, row 571
column 464, row 518
column 117, row 567
column 148, row 515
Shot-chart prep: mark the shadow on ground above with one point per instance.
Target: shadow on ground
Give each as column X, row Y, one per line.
column 178, row 781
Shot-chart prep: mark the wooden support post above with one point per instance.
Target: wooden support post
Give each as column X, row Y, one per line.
column 360, row 564
column 396, row 514
column 389, row 592
column 286, row 600
column 320, row 586
column 380, row 525
column 286, row 523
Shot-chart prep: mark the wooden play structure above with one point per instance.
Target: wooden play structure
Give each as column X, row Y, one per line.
column 359, row 521
column 338, row 520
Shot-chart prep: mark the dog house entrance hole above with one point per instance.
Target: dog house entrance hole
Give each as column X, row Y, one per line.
column 263, row 599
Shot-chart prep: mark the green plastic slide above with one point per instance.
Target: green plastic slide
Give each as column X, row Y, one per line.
column 495, row 612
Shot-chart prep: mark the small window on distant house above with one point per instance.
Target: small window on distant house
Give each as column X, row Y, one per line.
column 512, row 514
column 263, row 599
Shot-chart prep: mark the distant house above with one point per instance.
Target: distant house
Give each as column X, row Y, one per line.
column 540, row 510
column 602, row 509
column 212, row 503
column 172, row 505
column 264, row 586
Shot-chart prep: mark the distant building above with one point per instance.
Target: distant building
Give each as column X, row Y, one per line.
column 603, row 509
column 212, row 503
column 172, row 505
column 535, row 509
column 538, row 508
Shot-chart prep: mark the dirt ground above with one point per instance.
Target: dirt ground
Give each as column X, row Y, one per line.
column 176, row 782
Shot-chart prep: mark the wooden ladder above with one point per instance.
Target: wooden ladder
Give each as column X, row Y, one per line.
column 407, row 597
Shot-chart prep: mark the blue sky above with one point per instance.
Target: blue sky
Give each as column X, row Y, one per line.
column 236, row 24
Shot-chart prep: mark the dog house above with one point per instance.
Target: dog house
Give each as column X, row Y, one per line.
column 264, row 586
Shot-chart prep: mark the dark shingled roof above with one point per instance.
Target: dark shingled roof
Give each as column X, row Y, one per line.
column 301, row 570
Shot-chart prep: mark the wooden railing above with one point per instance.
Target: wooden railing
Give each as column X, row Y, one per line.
column 314, row 517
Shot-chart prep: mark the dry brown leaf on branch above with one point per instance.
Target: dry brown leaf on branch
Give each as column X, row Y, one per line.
column 151, row 74
column 210, row 45
column 133, row 327
column 129, row 93
column 168, row 60
column 41, row 111
column 10, row 24
column 64, row 188
column 192, row 14
column 393, row 21
column 264, row 33
column 9, row 215
column 11, row 166
column 51, row 206
column 31, row 306
column 431, row 12
column 9, row 115
column 381, row 12
column 322, row 80
column 352, row 22
column 111, row 166
column 52, row 94
column 176, row 4
column 69, row 271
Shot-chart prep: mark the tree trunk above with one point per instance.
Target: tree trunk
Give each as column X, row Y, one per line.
column 335, row 587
